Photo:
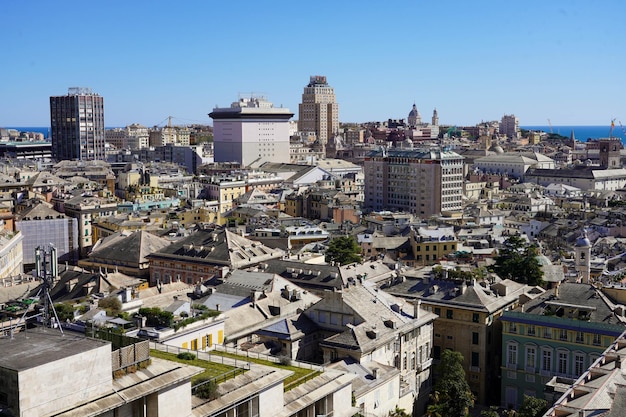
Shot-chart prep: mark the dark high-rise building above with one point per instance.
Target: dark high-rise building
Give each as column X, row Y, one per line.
column 77, row 122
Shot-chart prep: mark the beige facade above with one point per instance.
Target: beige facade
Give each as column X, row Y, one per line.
column 319, row 111
column 420, row 181
column 225, row 191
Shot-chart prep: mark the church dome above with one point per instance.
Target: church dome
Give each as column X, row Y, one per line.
column 414, row 112
column 583, row 241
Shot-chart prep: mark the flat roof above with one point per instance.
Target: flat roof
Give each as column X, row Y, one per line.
column 35, row 347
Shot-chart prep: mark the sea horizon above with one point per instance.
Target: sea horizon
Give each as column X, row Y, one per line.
column 582, row 133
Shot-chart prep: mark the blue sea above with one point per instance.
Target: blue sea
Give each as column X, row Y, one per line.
column 582, row 133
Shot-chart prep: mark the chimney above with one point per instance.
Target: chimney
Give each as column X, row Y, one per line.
column 375, row 373
column 416, row 309
column 556, row 290
column 217, row 307
column 618, row 362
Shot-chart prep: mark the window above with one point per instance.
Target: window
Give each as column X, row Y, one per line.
column 579, row 364
column 531, row 358
column 562, row 362
column 475, row 317
column 511, row 355
column 562, row 334
column 475, row 359
column 580, row 337
column 513, row 327
column 596, row 339
column 547, row 333
column 438, row 311
column 531, row 330
column 474, row 338
column 449, row 314
column 546, row 360
column 436, row 352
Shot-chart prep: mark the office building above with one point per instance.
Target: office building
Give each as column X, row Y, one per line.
column 319, row 111
column 420, row 181
column 251, row 131
column 77, row 122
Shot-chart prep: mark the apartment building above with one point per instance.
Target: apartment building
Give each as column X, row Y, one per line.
column 77, row 125
column 86, row 208
column 419, row 181
column 378, row 330
column 467, row 321
column 206, row 254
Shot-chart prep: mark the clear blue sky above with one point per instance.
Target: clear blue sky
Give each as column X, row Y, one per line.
column 472, row 60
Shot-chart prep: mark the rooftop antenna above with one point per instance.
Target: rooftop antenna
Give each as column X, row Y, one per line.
column 46, row 270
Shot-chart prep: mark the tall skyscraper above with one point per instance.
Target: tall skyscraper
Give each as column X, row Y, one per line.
column 319, row 111
column 77, row 122
column 251, row 131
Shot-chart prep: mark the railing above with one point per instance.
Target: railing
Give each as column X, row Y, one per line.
column 130, row 355
column 241, row 362
column 269, row 358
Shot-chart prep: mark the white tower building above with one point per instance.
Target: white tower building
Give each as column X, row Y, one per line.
column 251, row 131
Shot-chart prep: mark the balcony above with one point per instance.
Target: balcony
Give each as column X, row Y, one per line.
column 530, row 369
column 475, row 369
column 511, row 366
column 424, row 365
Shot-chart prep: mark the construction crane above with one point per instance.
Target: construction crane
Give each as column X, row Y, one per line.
column 550, row 124
column 611, row 129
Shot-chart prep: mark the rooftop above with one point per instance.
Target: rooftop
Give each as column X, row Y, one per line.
column 33, row 348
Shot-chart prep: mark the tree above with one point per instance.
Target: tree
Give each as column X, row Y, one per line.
column 65, row 311
column 532, row 407
column 454, row 397
column 399, row 412
column 518, row 261
column 111, row 304
column 206, row 388
column 490, row 412
column 156, row 317
column 344, row 250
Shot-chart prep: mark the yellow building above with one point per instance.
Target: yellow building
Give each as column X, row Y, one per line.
column 428, row 244
column 225, row 190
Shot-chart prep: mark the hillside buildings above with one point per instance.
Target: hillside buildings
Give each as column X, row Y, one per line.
column 421, row 181
column 77, row 122
column 318, row 113
column 251, row 131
